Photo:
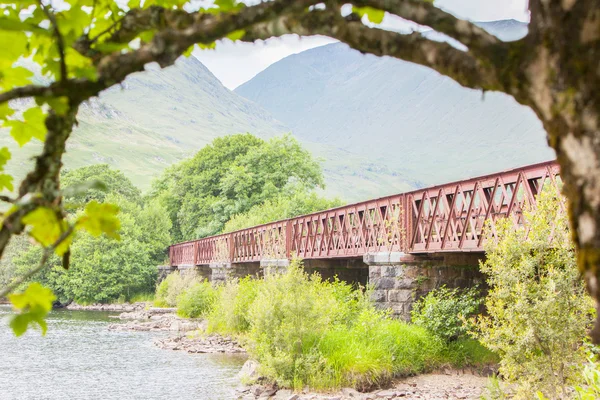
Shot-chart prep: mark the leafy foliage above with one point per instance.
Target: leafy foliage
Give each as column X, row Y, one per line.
column 102, row 269
column 33, row 305
column 229, row 177
column 306, row 331
column 82, row 185
column 196, row 301
column 442, row 311
column 169, row 290
column 281, row 207
column 538, row 309
column 230, row 314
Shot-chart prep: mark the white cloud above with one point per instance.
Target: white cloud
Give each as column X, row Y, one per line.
column 236, row 63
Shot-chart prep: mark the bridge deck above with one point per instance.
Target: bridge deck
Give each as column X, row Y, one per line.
column 443, row 218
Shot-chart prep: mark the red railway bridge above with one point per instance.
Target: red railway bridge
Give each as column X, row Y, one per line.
column 432, row 236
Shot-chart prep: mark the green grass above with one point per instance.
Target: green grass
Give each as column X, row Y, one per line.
column 325, row 335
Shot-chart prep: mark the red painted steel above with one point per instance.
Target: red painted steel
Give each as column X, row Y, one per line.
column 441, row 218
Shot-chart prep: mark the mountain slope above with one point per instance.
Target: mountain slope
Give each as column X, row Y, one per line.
column 404, row 118
column 155, row 119
column 159, row 117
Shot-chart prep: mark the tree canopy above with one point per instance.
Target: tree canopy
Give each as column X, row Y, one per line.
column 229, row 177
column 86, row 46
column 98, row 180
column 102, row 269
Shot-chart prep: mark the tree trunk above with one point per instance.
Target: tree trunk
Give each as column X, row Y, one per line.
column 562, row 86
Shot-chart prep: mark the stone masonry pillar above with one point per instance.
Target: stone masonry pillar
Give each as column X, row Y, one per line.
column 398, row 279
column 274, row 266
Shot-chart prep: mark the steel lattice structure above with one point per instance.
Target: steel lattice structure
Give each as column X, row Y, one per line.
column 443, row 218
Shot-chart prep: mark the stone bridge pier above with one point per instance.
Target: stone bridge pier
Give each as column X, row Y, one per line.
column 397, row 279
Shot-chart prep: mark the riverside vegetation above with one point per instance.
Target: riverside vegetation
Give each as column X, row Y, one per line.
column 235, row 182
column 305, row 331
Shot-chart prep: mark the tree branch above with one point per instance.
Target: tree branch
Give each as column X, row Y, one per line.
column 47, row 253
column 478, row 40
column 59, row 40
column 442, row 57
column 184, row 23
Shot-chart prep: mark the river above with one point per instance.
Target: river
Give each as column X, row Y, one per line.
column 79, row 358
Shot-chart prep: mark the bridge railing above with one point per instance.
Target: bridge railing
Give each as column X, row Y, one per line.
column 447, row 217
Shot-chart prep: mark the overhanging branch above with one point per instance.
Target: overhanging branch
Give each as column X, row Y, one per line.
column 478, row 40
column 442, row 57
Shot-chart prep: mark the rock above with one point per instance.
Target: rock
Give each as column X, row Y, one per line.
column 386, row 394
column 249, row 371
column 351, row 393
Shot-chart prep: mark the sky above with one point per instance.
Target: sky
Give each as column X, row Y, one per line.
column 236, row 63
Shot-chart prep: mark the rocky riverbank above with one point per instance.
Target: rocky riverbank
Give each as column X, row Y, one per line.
column 446, row 386
column 165, row 319
column 453, row 385
column 125, row 307
column 156, row 319
column 201, row 344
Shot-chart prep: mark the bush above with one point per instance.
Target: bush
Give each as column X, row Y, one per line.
column 443, row 311
column 230, row 314
column 197, row 300
column 538, row 308
column 306, row 331
column 171, row 287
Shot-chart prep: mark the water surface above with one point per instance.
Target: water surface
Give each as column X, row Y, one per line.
column 79, row 358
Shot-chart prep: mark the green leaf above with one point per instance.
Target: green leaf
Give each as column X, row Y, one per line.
column 236, row 35
column 6, row 182
column 100, row 218
column 227, row 5
column 14, row 24
column 11, row 77
column 33, row 126
column 13, row 44
column 34, row 295
column 5, row 111
column 4, row 156
column 34, row 303
column 374, row 15
column 209, row 46
column 46, row 228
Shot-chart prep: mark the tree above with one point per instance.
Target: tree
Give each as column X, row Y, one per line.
column 538, row 311
column 102, row 269
column 110, row 180
column 282, row 207
column 229, row 177
column 86, row 46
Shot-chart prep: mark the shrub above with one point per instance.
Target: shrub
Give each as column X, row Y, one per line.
column 538, row 309
column 171, row 287
column 197, row 300
column 306, row 331
column 443, row 311
column 230, row 314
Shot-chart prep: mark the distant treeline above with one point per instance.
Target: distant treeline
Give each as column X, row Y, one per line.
column 235, row 182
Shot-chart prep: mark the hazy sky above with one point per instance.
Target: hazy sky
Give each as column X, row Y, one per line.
column 236, row 63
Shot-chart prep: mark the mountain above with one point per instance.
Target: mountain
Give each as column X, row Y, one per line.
column 159, row 117
column 154, row 119
column 406, row 119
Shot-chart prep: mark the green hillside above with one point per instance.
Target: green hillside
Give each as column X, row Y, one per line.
column 159, row 117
